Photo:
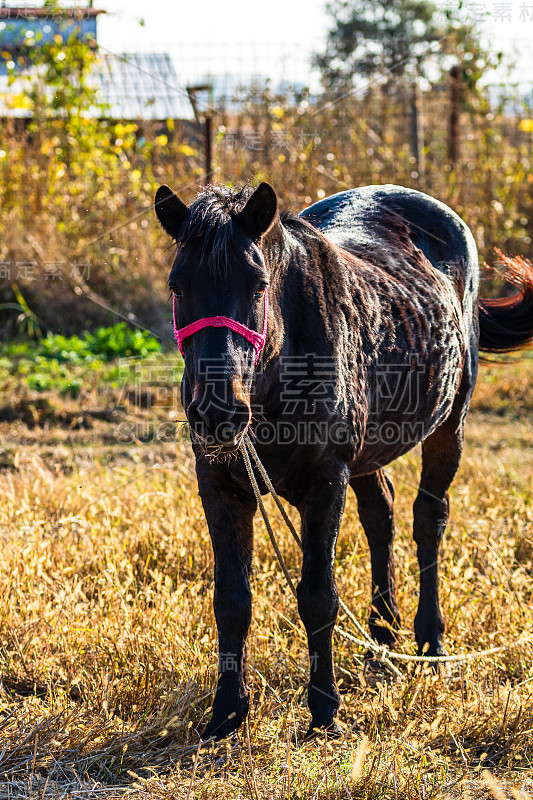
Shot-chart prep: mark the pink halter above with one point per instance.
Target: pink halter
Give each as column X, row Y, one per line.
column 257, row 340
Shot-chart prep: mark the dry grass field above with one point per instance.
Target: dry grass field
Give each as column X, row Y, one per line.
column 107, row 659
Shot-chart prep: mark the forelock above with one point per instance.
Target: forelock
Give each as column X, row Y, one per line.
column 210, row 225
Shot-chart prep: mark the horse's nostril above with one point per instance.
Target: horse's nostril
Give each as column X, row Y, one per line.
column 196, row 421
column 226, row 433
column 193, row 414
column 242, row 410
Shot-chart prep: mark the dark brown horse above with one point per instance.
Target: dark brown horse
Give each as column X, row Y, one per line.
column 373, row 331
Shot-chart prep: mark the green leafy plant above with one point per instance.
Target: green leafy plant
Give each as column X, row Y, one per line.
column 65, row 363
column 27, row 321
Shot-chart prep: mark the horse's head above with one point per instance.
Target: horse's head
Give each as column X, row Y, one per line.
column 219, row 281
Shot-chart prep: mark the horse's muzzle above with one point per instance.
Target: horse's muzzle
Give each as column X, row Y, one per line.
column 223, row 449
column 219, row 427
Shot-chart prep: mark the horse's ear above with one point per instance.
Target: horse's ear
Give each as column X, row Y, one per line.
column 260, row 211
column 171, row 211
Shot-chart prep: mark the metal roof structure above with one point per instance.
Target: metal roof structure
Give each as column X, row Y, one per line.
column 129, row 86
column 141, row 86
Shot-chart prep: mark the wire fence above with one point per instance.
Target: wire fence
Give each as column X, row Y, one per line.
column 471, row 150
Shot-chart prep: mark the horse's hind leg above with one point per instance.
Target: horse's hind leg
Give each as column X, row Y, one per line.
column 441, row 454
column 375, row 497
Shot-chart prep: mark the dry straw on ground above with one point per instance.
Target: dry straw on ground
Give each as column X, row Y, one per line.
column 107, row 656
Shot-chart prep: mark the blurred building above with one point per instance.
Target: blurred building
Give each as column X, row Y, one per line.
column 129, row 86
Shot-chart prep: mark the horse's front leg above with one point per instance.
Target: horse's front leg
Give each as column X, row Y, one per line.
column 229, row 516
column 321, row 513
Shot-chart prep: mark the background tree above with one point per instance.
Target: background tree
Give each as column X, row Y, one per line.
column 393, row 39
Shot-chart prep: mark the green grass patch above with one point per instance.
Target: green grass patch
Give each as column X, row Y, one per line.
column 61, row 363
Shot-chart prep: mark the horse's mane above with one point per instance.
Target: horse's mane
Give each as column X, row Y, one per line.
column 210, row 228
column 211, row 224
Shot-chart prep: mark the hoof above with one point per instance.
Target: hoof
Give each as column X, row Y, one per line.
column 434, row 651
column 221, row 729
column 376, row 672
column 332, row 731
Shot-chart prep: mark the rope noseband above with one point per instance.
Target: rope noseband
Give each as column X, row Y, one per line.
column 257, row 340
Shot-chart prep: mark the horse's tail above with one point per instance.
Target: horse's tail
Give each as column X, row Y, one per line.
column 506, row 323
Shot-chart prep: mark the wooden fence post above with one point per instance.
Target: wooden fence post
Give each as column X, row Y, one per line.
column 455, row 110
column 417, row 129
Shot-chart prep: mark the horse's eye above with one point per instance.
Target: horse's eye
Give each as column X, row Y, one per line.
column 177, row 295
column 259, row 294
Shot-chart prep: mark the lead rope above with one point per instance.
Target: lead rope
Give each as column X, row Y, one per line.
column 253, row 481
column 246, row 445
column 381, row 652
